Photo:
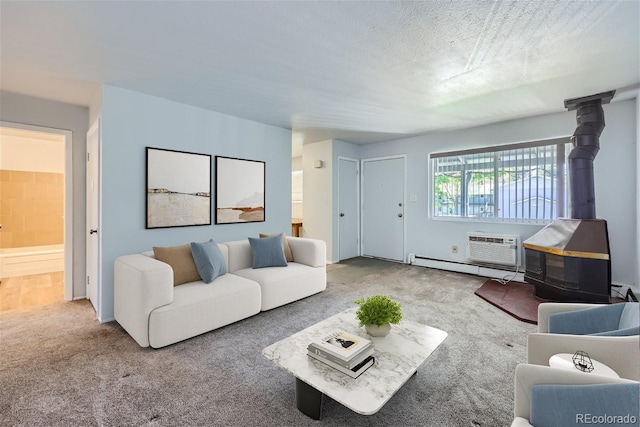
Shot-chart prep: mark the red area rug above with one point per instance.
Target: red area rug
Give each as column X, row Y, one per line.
column 514, row 298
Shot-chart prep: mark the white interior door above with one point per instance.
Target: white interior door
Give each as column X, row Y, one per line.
column 383, row 214
column 93, row 215
column 348, row 200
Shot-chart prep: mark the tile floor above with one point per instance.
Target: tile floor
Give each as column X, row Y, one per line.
column 27, row 291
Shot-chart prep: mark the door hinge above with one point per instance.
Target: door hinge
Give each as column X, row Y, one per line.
column 87, row 280
column 88, row 154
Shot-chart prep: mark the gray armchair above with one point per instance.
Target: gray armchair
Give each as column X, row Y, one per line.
column 593, row 328
column 551, row 397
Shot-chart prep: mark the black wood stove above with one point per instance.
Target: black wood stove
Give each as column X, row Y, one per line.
column 569, row 260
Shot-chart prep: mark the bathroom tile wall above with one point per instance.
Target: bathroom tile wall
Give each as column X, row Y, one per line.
column 31, row 208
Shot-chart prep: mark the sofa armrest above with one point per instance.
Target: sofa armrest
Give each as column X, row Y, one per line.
column 141, row 284
column 527, row 376
column 621, row 354
column 547, row 308
column 311, row 252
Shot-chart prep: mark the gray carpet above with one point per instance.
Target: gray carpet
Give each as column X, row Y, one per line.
column 60, row 367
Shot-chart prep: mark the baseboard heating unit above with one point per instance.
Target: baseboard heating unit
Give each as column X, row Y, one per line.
column 494, row 249
column 460, row 267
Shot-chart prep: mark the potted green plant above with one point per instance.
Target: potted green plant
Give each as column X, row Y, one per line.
column 376, row 314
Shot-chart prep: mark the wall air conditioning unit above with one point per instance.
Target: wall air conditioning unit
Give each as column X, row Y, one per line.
column 487, row 248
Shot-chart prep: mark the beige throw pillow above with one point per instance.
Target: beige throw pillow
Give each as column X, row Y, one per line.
column 181, row 261
column 287, row 250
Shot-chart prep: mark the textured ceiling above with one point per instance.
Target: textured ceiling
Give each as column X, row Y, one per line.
column 357, row 71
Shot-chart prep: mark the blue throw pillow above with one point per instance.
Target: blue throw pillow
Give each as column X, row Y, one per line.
column 268, row 252
column 209, row 260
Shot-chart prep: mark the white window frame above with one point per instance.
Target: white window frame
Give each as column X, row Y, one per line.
column 563, row 170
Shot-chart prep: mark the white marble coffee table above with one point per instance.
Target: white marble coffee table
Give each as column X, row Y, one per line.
column 398, row 357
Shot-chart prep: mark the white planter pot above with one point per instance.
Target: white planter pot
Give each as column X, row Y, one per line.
column 378, row 330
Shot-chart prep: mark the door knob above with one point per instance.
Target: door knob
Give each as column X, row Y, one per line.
column 341, row 214
column 93, row 231
column 400, row 215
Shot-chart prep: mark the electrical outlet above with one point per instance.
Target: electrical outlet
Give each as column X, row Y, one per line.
column 454, row 249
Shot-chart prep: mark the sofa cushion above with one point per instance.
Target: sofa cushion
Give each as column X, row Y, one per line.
column 198, row 308
column 268, row 252
column 180, row 260
column 287, row 250
column 239, row 255
column 209, row 260
column 281, row 286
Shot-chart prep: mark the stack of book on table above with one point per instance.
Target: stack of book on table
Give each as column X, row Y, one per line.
column 349, row 354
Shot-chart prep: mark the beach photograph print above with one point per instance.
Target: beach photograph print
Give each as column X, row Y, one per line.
column 178, row 188
column 239, row 190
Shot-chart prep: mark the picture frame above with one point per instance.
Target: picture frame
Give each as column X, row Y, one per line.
column 178, row 188
column 240, row 190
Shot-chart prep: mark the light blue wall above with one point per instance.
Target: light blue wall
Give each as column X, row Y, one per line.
column 615, row 167
column 132, row 121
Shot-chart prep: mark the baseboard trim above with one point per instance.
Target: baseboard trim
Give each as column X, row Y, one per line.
column 458, row 267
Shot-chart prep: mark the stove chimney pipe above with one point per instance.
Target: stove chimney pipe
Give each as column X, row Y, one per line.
column 586, row 143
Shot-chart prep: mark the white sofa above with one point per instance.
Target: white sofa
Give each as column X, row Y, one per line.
column 156, row 313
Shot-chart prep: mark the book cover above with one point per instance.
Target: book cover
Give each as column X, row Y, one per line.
column 342, row 345
column 353, row 373
column 367, row 351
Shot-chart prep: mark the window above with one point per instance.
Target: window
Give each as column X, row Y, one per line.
column 526, row 181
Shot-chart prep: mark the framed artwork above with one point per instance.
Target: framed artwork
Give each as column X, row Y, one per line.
column 178, row 188
column 240, row 189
